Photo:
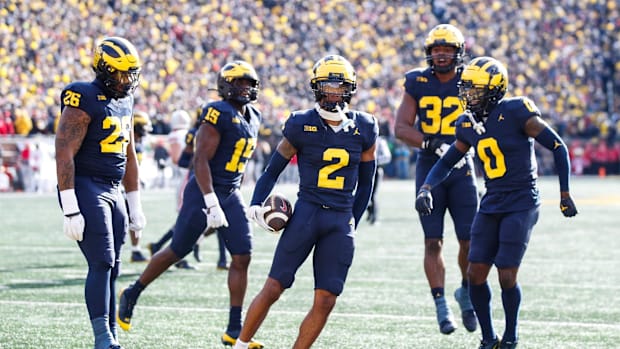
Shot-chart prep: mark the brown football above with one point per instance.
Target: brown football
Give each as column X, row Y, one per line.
column 281, row 211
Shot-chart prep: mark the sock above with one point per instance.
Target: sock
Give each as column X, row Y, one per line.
column 165, row 238
column 234, row 321
column 135, row 248
column 481, row 300
column 133, row 291
column 101, row 329
column 511, row 299
column 240, row 345
column 437, row 292
column 222, row 247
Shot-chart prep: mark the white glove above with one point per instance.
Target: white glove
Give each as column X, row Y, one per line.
column 137, row 220
column 442, row 149
column 215, row 215
column 256, row 213
column 74, row 221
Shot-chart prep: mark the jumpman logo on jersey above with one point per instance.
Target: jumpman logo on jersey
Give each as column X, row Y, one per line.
column 556, row 144
column 356, row 132
column 500, row 118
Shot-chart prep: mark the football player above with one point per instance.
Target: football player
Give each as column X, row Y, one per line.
column 94, row 153
column 426, row 119
column 502, row 131
column 185, row 161
column 141, row 128
column 335, row 149
column 212, row 200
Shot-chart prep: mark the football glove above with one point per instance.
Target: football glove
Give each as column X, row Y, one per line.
column 424, row 202
column 73, row 225
column 431, row 144
column 215, row 215
column 137, row 220
column 568, row 208
column 256, row 213
column 441, row 151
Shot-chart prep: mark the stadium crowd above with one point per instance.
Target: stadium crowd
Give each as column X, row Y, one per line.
column 563, row 54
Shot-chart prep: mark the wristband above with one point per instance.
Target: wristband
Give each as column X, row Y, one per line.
column 133, row 199
column 69, row 203
column 210, row 200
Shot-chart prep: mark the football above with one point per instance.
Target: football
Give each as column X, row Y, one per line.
column 281, row 211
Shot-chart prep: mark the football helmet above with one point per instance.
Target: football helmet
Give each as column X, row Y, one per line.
column 333, row 75
column 483, row 84
column 180, row 119
column 229, row 86
column 117, row 66
column 141, row 124
column 445, row 35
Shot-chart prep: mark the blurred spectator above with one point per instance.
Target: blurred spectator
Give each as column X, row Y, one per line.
column 161, row 157
column 564, row 54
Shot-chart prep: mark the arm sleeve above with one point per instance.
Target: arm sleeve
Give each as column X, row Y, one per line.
column 268, row 179
column 365, row 183
column 443, row 167
column 552, row 141
column 185, row 159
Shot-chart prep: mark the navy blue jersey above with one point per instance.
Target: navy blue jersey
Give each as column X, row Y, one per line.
column 328, row 161
column 104, row 150
column 438, row 105
column 506, row 155
column 238, row 135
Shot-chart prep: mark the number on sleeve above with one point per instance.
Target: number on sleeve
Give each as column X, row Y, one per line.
column 72, row 98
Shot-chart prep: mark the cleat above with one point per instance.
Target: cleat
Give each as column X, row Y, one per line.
column 125, row 311
column 445, row 319
column 495, row 344
column 447, row 326
column 468, row 315
column 115, row 346
column 229, row 341
column 507, row 345
column 138, row 256
column 153, row 248
column 183, row 264
column 196, row 251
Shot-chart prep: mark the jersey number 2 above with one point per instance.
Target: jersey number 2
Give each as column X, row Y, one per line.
column 343, row 160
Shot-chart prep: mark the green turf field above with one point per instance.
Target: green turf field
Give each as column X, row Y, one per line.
column 570, row 280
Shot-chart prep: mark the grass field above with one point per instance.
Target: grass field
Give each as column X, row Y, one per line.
column 570, row 280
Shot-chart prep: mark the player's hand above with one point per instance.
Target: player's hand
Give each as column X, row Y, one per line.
column 137, row 220
column 442, row 149
column 431, row 144
column 73, row 225
column 424, row 202
column 256, row 213
column 215, row 215
column 568, row 208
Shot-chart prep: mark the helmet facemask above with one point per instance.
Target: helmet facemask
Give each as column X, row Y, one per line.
column 455, row 58
column 119, row 84
column 242, row 90
column 332, row 93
